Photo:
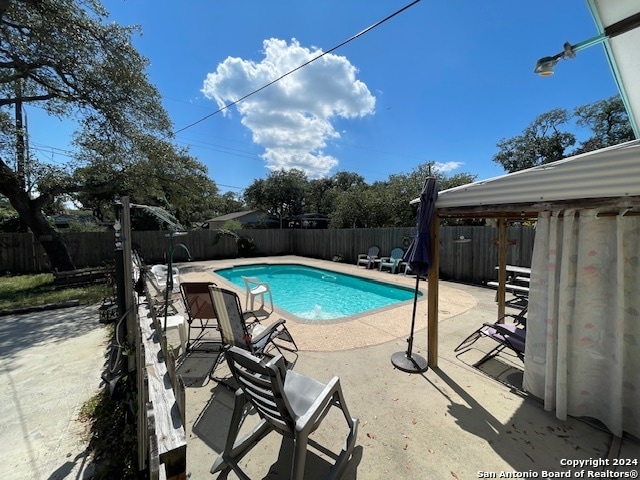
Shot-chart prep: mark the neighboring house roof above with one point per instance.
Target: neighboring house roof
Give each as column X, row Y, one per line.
column 246, row 218
column 65, row 220
column 235, row 216
column 610, row 172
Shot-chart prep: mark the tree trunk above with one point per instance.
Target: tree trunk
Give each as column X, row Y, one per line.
column 31, row 214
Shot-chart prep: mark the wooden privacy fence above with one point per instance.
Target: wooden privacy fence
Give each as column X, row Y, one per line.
column 467, row 253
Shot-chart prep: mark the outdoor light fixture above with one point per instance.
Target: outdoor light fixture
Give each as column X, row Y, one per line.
column 544, row 66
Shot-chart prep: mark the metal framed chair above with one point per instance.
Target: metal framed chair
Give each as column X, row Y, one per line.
column 198, row 307
column 288, row 403
column 252, row 336
column 510, row 336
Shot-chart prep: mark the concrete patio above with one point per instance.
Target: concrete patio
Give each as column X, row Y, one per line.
column 455, row 421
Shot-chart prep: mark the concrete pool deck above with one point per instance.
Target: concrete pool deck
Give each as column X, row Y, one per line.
column 362, row 330
column 453, row 422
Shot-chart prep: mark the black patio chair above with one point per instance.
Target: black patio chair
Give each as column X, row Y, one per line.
column 510, row 336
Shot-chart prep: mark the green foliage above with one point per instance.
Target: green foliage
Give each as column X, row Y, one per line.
column 547, row 139
column 32, row 290
column 386, row 204
column 113, row 436
column 79, row 227
column 281, row 194
column 161, row 176
column 232, row 225
column 541, row 142
column 246, row 246
column 9, row 219
column 227, row 203
column 609, row 122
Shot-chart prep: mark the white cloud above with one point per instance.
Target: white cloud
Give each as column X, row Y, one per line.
column 292, row 119
column 446, row 166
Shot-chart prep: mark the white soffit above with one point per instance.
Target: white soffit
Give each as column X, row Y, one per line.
column 623, row 52
column 609, row 172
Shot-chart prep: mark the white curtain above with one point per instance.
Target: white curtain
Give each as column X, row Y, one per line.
column 583, row 328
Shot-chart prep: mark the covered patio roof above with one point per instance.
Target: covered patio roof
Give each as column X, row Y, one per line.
column 606, row 177
column 598, row 177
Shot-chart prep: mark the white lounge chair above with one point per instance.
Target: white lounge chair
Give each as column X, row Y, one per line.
column 160, row 274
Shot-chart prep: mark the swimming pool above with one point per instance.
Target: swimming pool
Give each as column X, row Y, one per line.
column 317, row 294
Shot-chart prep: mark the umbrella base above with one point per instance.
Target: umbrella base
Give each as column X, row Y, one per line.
column 412, row 364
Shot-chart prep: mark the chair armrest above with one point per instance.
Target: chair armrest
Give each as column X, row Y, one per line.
column 506, row 332
column 317, row 409
column 269, row 330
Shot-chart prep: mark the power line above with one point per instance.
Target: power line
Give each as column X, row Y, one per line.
column 359, row 34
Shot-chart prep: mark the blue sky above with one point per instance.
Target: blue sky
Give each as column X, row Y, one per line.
column 442, row 81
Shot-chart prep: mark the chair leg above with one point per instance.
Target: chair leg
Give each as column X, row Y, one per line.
column 490, row 355
column 299, row 457
column 234, row 451
column 470, row 340
column 219, row 361
column 350, row 441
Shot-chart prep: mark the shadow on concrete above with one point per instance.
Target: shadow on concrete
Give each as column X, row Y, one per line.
column 521, row 440
column 195, row 367
column 504, row 368
column 316, row 467
column 212, row 426
column 18, row 332
column 80, row 466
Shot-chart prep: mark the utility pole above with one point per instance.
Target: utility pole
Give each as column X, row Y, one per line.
column 20, row 144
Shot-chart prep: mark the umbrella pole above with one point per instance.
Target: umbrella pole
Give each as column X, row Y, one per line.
column 413, row 318
column 408, row 361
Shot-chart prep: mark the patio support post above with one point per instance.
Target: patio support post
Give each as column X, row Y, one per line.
column 432, row 296
column 502, row 267
column 129, row 300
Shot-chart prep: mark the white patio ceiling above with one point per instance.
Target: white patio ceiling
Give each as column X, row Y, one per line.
column 623, row 51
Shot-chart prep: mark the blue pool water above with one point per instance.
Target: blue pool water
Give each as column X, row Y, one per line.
column 318, row 294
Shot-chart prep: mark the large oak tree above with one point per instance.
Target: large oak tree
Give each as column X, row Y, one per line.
column 65, row 57
column 549, row 137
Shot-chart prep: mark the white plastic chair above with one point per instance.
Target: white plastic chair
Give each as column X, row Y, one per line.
column 160, row 274
column 256, row 288
column 393, row 260
column 177, row 322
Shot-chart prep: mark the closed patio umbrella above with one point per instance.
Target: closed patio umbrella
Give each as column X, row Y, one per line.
column 418, row 256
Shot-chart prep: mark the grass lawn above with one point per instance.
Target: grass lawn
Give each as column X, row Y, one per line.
column 33, row 290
